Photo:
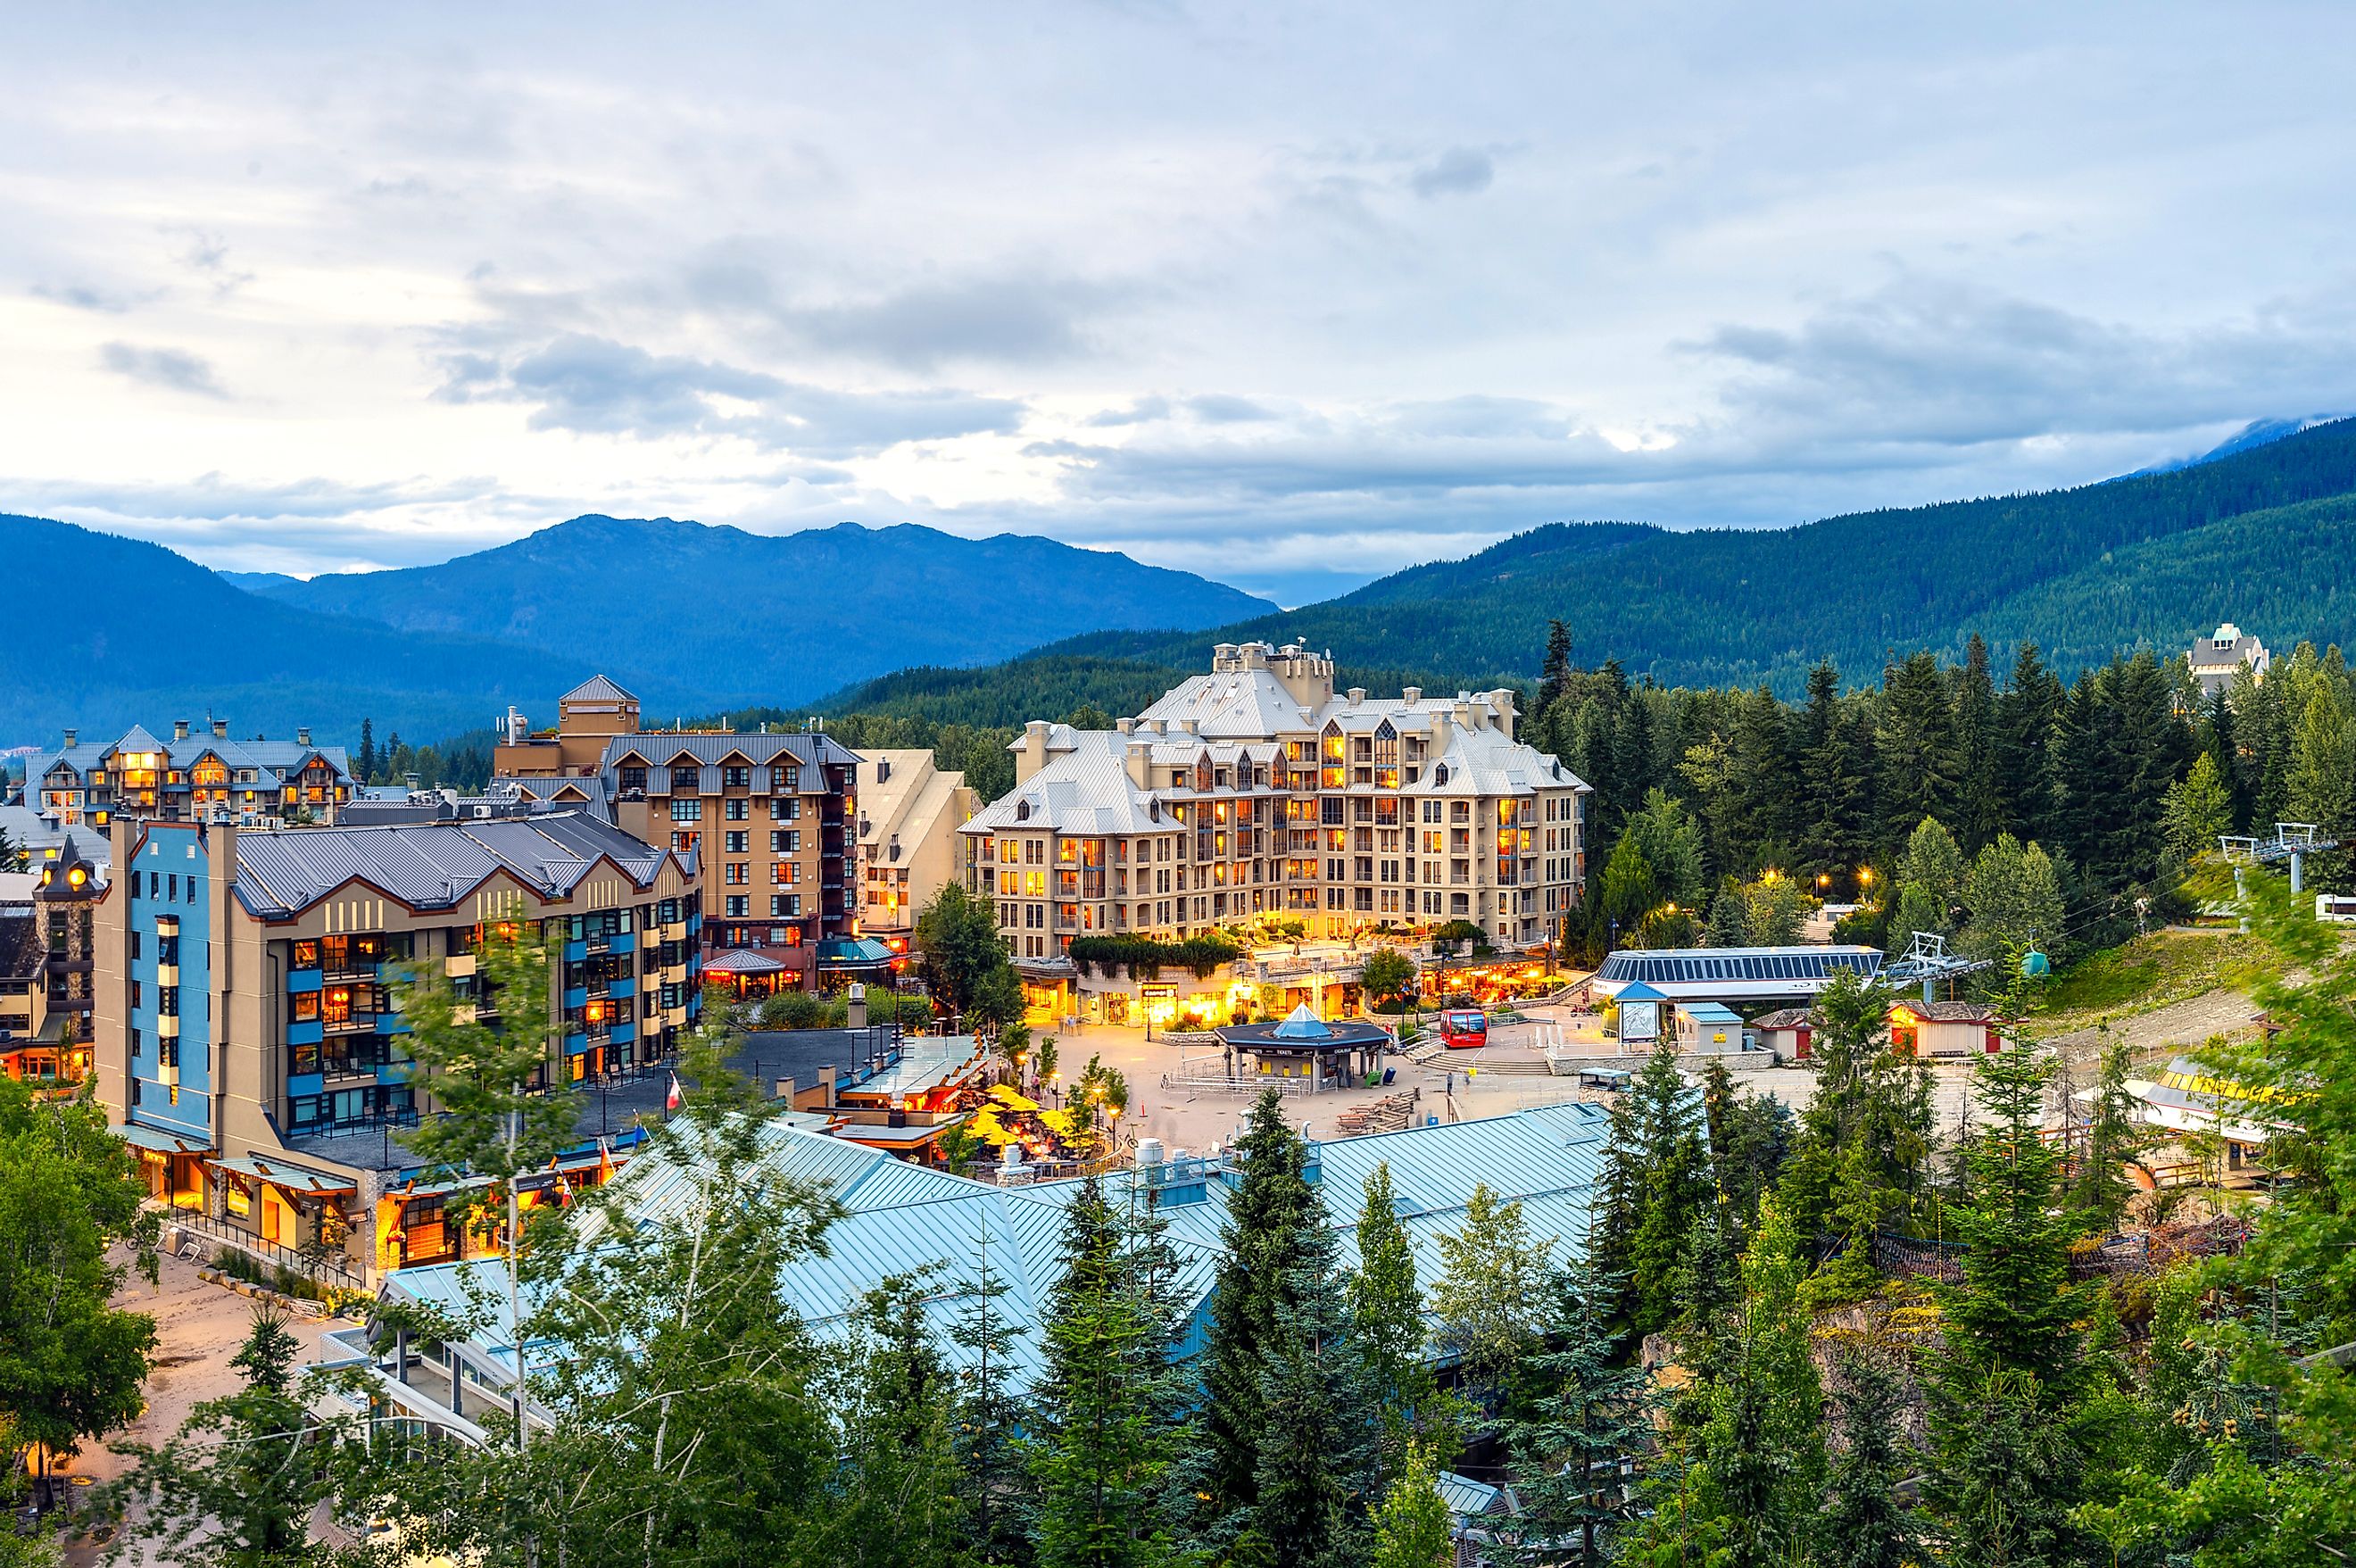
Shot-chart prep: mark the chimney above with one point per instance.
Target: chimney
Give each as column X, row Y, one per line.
column 179, row 729
column 302, row 737
column 1357, row 696
column 221, row 729
column 1501, row 701
column 1124, row 725
column 1412, row 695
column 1032, row 755
column 71, row 736
column 1139, row 758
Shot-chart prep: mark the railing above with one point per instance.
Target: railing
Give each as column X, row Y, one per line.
column 317, row 1269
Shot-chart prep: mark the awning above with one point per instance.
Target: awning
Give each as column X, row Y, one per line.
column 162, row 1143
column 743, row 960
column 858, row 952
column 293, row 1178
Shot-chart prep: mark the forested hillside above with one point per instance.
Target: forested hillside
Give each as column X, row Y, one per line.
column 2085, row 573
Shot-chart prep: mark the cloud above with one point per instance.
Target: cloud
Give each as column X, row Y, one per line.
column 94, row 297
column 1935, row 360
column 1223, row 408
column 1006, row 316
column 593, row 385
column 175, row 369
column 1459, row 171
column 1140, row 411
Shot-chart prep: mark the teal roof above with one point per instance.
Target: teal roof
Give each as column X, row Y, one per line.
column 1638, row 991
column 902, row 1218
column 1708, row 1011
column 1304, row 1025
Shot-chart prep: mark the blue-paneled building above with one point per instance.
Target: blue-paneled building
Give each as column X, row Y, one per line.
column 246, row 1031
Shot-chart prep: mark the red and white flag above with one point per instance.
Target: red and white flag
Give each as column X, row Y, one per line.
column 670, row 1100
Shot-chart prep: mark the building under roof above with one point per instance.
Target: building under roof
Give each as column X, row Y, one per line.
column 428, row 865
column 901, row 1219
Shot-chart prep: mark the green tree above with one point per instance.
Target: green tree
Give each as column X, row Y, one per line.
column 483, row 1061
column 2198, row 812
column 2321, row 784
column 1864, row 1525
column 1776, row 911
column 2012, row 899
column 2009, row 1462
column 1102, row 1440
column 1271, row 1214
column 1917, row 763
column 1386, row 1317
column 71, row 1363
column 236, row 1486
column 1587, row 1413
column 960, row 947
column 1765, row 1440
column 1413, row 1528
column 1656, row 1180
column 1386, row 975
column 2113, row 1138
column 1930, row 883
column 1490, row 1297
column 893, row 1493
column 1670, row 842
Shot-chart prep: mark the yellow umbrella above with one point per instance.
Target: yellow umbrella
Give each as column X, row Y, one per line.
column 1006, row 1096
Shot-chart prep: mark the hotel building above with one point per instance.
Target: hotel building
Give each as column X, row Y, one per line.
column 909, row 847
column 770, row 814
column 190, row 778
column 1259, row 790
column 246, row 1035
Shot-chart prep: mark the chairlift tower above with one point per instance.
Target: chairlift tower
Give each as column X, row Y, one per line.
column 2293, row 841
column 1928, row 961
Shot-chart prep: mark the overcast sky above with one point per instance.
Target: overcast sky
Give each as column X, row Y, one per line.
column 1286, row 295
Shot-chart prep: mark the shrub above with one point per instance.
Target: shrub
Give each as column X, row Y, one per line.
column 1144, row 956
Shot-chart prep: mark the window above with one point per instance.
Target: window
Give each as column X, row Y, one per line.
column 687, row 810
column 739, row 873
column 793, row 841
column 737, row 811
column 786, row 777
column 733, row 777
column 786, row 811
column 737, row 842
column 738, row 907
column 684, row 780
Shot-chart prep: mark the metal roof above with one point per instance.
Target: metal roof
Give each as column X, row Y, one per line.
column 431, row 865
column 903, row 1220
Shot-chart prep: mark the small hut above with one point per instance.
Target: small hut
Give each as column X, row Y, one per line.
column 1305, row 1046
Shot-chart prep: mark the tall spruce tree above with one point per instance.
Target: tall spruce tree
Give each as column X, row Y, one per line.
column 1834, row 790
column 1979, row 803
column 1587, row 1413
column 1272, row 1213
column 1765, row 1440
column 2026, row 712
column 1916, row 760
column 1864, row 1525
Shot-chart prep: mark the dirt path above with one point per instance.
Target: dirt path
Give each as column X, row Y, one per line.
column 2178, row 1026
column 198, row 1326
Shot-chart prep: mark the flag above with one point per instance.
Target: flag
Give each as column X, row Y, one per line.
column 672, row 1100
column 604, row 1162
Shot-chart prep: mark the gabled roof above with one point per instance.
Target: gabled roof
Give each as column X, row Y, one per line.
column 433, row 865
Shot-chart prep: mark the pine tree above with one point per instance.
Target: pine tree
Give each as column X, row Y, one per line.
column 1318, row 1474
column 2320, row 787
column 2007, row 1467
column 1387, row 1328
column 2012, row 897
column 2198, row 811
column 999, row 1510
column 1979, row 805
column 1554, row 674
column 1832, row 840
column 1102, row 1440
column 1916, row 760
column 364, row 764
column 1669, row 1183
column 1587, row 1413
column 1863, row 1525
column 1764, row 1441
column 2026, row 714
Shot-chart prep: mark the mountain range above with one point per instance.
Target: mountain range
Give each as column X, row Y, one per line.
column 691, row 617
column 2264, row 536
column 907, row 620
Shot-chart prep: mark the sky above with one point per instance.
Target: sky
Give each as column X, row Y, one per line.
column 1289, row 296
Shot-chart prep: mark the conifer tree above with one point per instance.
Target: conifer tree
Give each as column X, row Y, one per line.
column 2008, row 1467
column 1980, row 803
column 2198, row 811
column 1490, row 1299
column 1104, row 1424
column 1387, row 1330
column 1863, row 1525
column 2026, row 714
column 1915, row 750
column 1764, row 1441
column 1270, row 1214
column 1664, row 1181
column 1554, row 675
column 1832, row 788
column 1587, row 1413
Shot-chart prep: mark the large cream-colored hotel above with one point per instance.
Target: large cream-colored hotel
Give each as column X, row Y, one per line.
column 1258, row 790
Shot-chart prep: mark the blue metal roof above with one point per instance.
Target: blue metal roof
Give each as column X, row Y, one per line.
column 904, row 1219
